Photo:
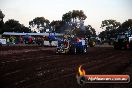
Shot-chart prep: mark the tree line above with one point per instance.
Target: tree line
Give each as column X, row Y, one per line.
column 112, row 28
column 11, row 25
column 72, row 23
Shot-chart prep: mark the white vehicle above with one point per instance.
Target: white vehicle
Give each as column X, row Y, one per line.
column 2, row 42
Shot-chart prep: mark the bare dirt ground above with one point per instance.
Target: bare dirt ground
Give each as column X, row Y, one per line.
column 40, row 67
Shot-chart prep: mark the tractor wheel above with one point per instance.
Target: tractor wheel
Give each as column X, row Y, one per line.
column 84, row 50
column 126, row 46
column 115, row 47
column 130, row 45
column 74, row 50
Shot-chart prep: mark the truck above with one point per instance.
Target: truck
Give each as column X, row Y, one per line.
column 72, row 46
column 123, row 42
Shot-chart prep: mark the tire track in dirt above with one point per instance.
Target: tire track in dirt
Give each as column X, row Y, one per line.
column 65, row 67
column 45, row 59
column 54, row 71
column 60, row 60
column 71, row 74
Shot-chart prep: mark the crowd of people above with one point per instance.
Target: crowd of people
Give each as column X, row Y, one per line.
column 28, row 40
column 24, row 39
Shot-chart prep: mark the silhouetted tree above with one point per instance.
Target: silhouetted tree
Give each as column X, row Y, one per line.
column 25, row 29
column 14, row 26
column 110, row 25
column 1, row 22
column 126, row 27
column 110, row 29
column 57, row 26
column 74, row 20
column 103, row 35
column 113, row 28
column 90, row 31
column 40, row 23
column 73, row 16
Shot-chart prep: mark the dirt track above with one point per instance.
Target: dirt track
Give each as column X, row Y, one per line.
column 40, row 67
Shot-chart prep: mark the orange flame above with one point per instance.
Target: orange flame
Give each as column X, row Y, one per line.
column 81, row 71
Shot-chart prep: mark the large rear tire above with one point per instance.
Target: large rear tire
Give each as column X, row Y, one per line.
column 130, row 45
column 73, row 50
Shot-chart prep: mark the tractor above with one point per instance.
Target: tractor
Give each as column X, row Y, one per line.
column 72, row 46
column 123, row 42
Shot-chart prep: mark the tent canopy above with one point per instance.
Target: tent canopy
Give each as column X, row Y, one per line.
column 32, row 34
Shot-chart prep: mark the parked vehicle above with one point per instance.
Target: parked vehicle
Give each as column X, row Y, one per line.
column 123, row 42
column 2, row 42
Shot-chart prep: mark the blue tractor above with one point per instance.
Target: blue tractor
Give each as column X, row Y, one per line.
column 72, row 46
